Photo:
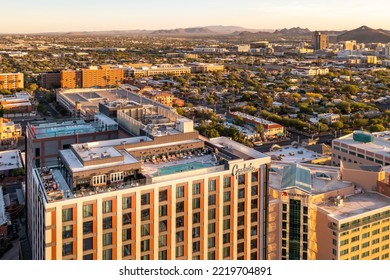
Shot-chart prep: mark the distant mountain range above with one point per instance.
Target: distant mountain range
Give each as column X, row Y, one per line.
column 362, row 34
column 365, row 34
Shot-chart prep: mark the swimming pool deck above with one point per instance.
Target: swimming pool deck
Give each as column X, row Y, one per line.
column 151, row 169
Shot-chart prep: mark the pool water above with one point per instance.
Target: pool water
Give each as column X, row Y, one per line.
column 181, row 168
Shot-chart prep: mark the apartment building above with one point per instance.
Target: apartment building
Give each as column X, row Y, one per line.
column 9, row 81
column 319, row 41
column 104, row 76
column 361, row 148
column 315, row 214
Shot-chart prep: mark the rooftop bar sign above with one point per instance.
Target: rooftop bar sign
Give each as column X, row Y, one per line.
column 236, row 171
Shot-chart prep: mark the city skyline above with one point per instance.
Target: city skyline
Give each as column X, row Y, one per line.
column 46, row 16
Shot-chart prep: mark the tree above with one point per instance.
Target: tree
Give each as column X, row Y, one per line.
column 212, row 133
column 377, row 128
column 337, row 125
column 350, row 89
column 345, row 107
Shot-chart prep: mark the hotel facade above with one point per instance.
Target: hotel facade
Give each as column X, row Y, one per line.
column 166, row 193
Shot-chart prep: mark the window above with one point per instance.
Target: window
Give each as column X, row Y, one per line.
column 241, row 207
column 195, row 232
column 126, row 250
column 163, row 195
column 67, row 249
column 163, row 226
column 107, row 223
column 253, row 230
column 355, row 238
column 375, row 232
column 99, row 180
column 107, row 254
column 385, row 247
column 145, row 257
column 241, row 179
column 226, row 238
column 67, row 215
column 145, row 245
column 386, row 228
column 226, row 224
column 107, row 239
column 126, row 202
column 241, row 193
column 212, row 185
column 87, row 227
column 284, row 207
column 126, row 234
column 88, row 257
column 180, row 236
column 145, row 199
column 196, row 203
column 67, row 231
column 385, row 256
column 344, row 242
column 196, row 218
column 211, row 242
column 37, row 152
column 163, row 210
column 180, row 222
column 240, row 234
column 226, row 210
column 386, row 237
column 107, row 206
column 126, row 218
column 226, row 196
column 163, row 255
column 180, row 192
column 180, row 207
column 344, row 252
column 334, row 242
column 226, row 182
column 88, row 244
column 253, row 217
column 212, row 199
column 375, row 250
column 196, row 247
column 254, row 190
column 254, row 203
column 375, row 241
column 145, row 214
column 116, row 177
column 355, row 248
column 145, row 230
column 366, row 244
column 212, row 213
column 240, row 248
column 179, row 251
column 211, row 255
column 162, row 241
column 226, row 252
column 211, row 228
column 196, row 188
column 355, row 257
column 87, row 210
column 365, row 235
column 255, row 176
column 365, row 254
column 241, row 220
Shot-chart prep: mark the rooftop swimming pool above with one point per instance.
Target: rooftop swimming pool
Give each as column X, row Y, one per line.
column 181, row 168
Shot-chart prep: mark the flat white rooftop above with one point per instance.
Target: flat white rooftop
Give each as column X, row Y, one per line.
column 378, row 146
column 10, row 160
column 357, row 204
column 294, row 154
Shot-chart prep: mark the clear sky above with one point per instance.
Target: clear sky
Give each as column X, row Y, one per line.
column 26, row 16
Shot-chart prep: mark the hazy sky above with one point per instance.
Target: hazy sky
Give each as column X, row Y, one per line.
column 25, row 16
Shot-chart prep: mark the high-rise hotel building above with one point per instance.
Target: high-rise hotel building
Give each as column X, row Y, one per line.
column 167, row 193
column 324, row 213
